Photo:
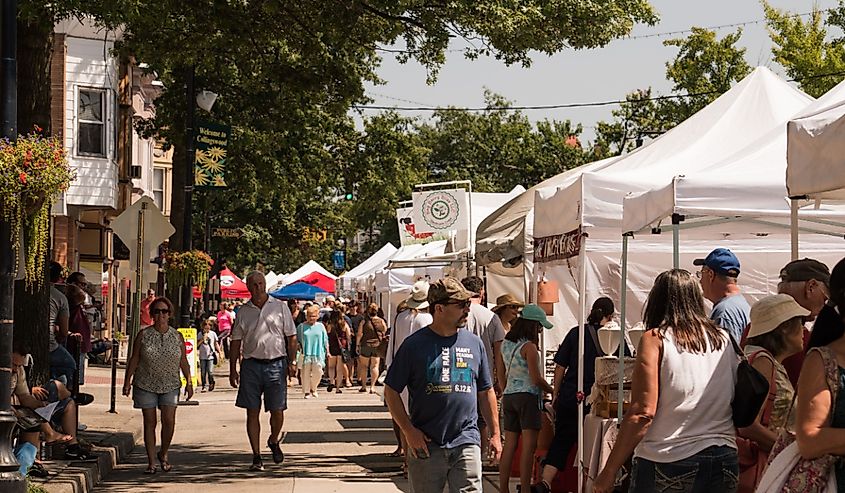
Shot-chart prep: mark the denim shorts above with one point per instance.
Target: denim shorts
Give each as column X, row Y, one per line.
column 144, row 399
column 459, row 467
column 267, row 378
column 714, row 469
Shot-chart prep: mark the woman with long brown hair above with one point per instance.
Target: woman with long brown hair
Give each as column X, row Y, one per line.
column 679, row 426
column 338, row 333
column 371, row 332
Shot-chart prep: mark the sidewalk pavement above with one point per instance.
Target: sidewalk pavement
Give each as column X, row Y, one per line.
column 336, row 443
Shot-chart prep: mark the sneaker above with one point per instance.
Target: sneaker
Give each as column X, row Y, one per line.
column 330, row 388
column 75, row 452
column 211, row 386
column 203, row 390
column 278, row 455
column 81, row 427
column 541, row 487
column 257, row 463
column 307, row 396
column 338, row 391
column 362, row 389
column 314, row 395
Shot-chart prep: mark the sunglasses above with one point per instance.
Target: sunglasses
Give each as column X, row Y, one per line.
column 159, row 311
column 460, row 304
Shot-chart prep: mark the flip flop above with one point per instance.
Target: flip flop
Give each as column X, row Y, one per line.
column 63, row 439
column 165, row 466
column 150, row 470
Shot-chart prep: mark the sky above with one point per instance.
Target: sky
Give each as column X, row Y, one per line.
column 601, row 74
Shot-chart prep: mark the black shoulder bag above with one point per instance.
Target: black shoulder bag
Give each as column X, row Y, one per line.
column 750, row 391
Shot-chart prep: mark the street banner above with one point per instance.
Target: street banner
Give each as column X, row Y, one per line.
column 190, row 336
column 211, row 142
column 441, row 211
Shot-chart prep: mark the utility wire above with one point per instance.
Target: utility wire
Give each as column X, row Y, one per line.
column 562, row 105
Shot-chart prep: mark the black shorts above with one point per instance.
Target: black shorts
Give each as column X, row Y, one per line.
column 521, row 412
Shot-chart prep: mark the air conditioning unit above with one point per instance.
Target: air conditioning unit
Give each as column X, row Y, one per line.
column 134, row 172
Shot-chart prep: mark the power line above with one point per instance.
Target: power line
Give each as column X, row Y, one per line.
column 561, row 105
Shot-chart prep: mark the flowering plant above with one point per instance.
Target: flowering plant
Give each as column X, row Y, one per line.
column 33, row 171
column 189, row 267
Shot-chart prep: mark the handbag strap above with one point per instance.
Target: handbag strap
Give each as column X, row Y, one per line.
column 770, row 399
column 513, row 353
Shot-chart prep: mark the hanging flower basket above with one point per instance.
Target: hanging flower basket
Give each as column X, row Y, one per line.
column 187, row 268
column 33, row 171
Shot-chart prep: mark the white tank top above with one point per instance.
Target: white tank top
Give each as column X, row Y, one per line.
column 693, row 405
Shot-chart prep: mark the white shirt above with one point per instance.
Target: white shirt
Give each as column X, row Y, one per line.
column 263, row 330
column 406, row 324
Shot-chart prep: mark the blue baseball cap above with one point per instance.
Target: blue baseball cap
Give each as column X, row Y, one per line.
column 721, row 261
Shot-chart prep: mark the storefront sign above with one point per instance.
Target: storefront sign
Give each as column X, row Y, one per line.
column 557, row 247
column 441, row 210
column 211, row 141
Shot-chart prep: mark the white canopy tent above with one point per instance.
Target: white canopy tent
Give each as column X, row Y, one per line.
column 591, row 206
column 376, row 261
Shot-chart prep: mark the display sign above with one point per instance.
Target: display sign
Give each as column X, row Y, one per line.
column 408, row 234
column 211, row 142
column 339, row 260
column 190, row 336
column 557, row 247
column 441, row 210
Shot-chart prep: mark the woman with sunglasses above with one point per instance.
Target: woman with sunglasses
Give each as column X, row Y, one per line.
column 158, row 354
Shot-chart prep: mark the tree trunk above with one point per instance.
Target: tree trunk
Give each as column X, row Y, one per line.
column 35, row 49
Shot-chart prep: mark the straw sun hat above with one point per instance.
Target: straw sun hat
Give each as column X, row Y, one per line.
column 769, row 312
column 419, row 296
column 507, row 299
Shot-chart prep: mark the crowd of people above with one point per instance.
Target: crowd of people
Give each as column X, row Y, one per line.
column 463, row 382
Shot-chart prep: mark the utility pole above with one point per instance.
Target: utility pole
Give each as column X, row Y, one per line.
column 11, row 480
column 187, row 300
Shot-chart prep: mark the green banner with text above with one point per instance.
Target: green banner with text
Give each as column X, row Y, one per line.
column 211, row 141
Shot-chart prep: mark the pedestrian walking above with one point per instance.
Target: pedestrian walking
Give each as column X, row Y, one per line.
column 523, row 394
column 776, row 333
column 338, row 334
column 371, row 333
column 679, row 426
column 208, row 350
column 446, row 373
column 225, row 320
column 313, row 344
column 152, row 374
column 264, row 334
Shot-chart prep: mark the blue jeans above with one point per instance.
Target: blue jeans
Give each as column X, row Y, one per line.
column 460, row 467
column 62, row 366
column 713, row 470
column 206, row 371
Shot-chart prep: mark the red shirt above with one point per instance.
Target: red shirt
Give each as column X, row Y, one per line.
column 146, row 318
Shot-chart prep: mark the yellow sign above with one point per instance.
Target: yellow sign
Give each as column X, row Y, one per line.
column 190, row 336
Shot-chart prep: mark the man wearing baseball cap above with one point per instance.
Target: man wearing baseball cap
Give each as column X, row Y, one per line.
column 446, row 374
column 806, row 280
column 718, row 277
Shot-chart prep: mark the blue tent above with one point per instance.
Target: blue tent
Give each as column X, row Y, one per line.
column 298, row 291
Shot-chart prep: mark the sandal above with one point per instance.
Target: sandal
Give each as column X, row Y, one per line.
column 150, row 470
column 62, row 439
column 396, row 453
column 165, row 466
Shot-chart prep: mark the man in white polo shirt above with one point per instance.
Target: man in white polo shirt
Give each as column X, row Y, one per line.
column 262, row 329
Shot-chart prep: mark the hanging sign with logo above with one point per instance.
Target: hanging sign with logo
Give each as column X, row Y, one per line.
column 211, row 141
column 441, row 210
column 408, row 234
column 557, row 247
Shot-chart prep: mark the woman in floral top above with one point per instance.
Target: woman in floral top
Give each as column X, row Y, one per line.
column 158, row 354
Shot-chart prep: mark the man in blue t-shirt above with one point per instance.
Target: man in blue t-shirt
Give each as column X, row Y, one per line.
column 447, row 376
column 718, row 275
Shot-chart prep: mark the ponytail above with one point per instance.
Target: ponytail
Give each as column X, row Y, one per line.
column 602, row 308
column 828, row 327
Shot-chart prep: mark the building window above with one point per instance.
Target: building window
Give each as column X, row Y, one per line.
column 91, row 123
column 159, row 182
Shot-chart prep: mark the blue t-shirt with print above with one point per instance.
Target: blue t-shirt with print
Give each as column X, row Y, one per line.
column 443, row 376
column 733, row 314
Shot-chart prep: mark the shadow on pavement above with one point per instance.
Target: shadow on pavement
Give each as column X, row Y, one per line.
column 377, row 408
column 351, row 424
column 375, row 437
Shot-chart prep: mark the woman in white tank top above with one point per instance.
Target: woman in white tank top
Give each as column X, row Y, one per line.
column 679, row 426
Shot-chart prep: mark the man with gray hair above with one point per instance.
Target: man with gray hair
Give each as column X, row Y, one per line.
column 265, row 334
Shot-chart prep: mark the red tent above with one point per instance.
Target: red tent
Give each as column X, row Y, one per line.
column 231, row 286
column 322, row 281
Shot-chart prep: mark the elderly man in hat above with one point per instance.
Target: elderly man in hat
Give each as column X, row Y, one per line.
column 407, row 322
column 806, row 280
column 718, row 277
column 445, row 371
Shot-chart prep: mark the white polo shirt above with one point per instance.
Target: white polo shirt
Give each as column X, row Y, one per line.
column 263, row 330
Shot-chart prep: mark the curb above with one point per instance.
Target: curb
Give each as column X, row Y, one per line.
column 80, row 477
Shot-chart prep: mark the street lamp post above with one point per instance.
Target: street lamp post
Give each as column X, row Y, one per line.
column 11, row 480
column 187, row 300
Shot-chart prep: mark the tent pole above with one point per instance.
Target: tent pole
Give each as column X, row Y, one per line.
column 582, row 318
column 793, row 227
column 676, row 240
column 623, row 299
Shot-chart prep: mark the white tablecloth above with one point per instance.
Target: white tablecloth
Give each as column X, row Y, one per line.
column 599, row 437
